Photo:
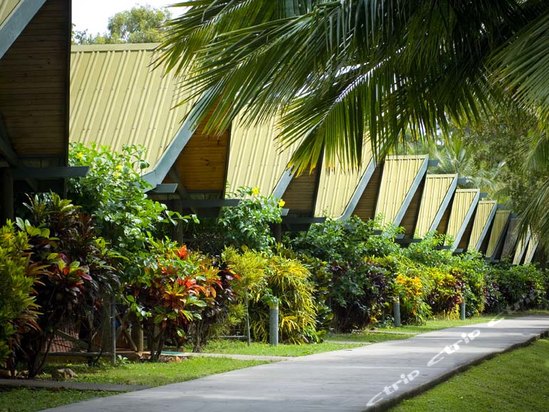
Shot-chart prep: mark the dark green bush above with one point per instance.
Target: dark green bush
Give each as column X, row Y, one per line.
column 520, row 287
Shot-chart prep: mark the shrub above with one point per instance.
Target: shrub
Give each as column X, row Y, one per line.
column 413, row 309
column 361, row 290
column 18, row 309
column 445, row 293
column 78, row 274
column 520, row 287
column 248, row 223
column 471, row 269
column 179, row 291
column 114, row 193
column 268, row 279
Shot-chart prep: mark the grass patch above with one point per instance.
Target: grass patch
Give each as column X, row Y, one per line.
column 264, row 349
column 156, row 374
column 514, row 381
column 150, row 374
column 407, row 331
column 30, row 400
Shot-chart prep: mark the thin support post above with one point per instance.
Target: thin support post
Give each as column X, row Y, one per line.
column 462, row 310
column 113, row 331
column 273, row 324
column 396, row 312
column 248, row 333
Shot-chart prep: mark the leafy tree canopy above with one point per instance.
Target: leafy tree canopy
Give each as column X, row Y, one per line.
column 142, row 24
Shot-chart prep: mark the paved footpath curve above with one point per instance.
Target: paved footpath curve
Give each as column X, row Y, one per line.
column 345, row 380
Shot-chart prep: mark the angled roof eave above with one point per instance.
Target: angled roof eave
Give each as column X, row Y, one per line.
column 366, row 176
column 444, row 204
column 16, row 22
column 465, row 222
column 283, row 183
column 157, row 175
column 486, row 226
column 413, row 188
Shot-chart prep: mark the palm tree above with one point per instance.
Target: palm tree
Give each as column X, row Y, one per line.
column 338, row 72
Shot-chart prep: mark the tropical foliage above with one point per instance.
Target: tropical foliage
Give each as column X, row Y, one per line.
column 362, row 65
column 114, row 194
column 76, row 276
column 248, row 223
column 375, row 71
column 177, row 289
column 268, row 280
column 18, row 309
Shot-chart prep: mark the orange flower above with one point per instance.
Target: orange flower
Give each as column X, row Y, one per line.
column 183, row 253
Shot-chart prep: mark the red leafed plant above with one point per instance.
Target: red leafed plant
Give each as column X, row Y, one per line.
column 178, row 288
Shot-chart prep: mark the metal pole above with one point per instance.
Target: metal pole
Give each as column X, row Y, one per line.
column 248, row 334
column 462, row 309
column 113, row 330
column 396, row 312
column 273, row 324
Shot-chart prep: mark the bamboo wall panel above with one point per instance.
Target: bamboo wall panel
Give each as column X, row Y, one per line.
column 464, row 199
column 409, row 221
column 511, row 238
column 300, row 196
column 202, row 164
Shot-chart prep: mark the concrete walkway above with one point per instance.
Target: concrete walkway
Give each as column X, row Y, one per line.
column 365, row 378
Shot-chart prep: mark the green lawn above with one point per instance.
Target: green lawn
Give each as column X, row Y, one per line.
column 407, row 331
column 264, row 349
column 156, row 374
column 150, row 374
column 30, row 400
column 514, row 381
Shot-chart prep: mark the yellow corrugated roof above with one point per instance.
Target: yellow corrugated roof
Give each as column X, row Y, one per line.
column 463, row 201
column 485, row 210
column 118, row 98
column 436, row 190
column 338, row 184
column 399, row 174
column 6, row 8
column 500, row 222
column 255, row 159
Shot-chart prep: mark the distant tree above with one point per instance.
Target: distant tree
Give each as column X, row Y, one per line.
column 142, row 24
